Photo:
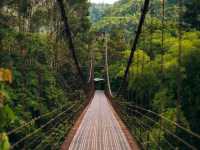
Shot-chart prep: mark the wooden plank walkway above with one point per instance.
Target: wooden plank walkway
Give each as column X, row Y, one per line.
column 99, row 128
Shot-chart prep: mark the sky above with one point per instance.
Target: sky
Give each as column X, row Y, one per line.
column 103, row 1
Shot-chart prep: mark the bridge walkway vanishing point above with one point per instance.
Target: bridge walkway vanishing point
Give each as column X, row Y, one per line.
column 100, row 128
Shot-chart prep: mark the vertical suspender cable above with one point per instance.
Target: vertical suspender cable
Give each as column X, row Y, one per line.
column 151, row 58
column 179, row 79
column 151, row 31
column 137, row 74
column 143, row 61
column 162, row 58
column 107, row 67
column 162, row 36
column 91, row 70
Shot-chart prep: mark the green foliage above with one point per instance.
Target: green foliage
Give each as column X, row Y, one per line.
column 4, row 142
column 97, row 11
column 6, row 115
column 191, row 15
column 153, row 76
column 33, row 47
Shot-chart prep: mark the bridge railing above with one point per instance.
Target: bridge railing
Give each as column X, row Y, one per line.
column 39, row 129
column 48, row 130
column 157, row 131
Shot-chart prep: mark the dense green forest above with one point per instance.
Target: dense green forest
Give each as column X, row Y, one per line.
column 156, row 68
column 39, row 67
column 37, row 73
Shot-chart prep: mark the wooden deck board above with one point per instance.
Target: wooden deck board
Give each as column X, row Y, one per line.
column 99, row 128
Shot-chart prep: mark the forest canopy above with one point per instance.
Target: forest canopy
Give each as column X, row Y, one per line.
column 38, row 74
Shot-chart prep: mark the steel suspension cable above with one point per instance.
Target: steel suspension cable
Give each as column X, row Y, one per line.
column 91, row 70
column 137, row 36
column 68, row 36
column 107, row 66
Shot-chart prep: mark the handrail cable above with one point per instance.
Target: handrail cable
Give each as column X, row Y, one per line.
column 52, row 127
column 43, row 126
column 65, row 121
column 141, row 142
column 91, row 66
column 35, row 119
column 169, row 132
column 143, row 128
column 156, row 123
column 50, row 140
column 159, row 115
column 51, row 134
column 39, row 137
column 150, row 134
column 138, row 140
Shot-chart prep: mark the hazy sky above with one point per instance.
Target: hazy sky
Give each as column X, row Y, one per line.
column 103, row 1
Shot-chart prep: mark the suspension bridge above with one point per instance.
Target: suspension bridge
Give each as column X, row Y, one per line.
column 101, row 123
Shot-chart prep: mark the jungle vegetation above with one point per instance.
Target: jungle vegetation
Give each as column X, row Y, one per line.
column 37, row 73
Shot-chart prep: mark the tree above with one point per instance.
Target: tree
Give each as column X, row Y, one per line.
column 191, row 16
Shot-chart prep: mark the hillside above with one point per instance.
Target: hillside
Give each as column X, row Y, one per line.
column 157, row 47
column 52, row 54
column 124, row 15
